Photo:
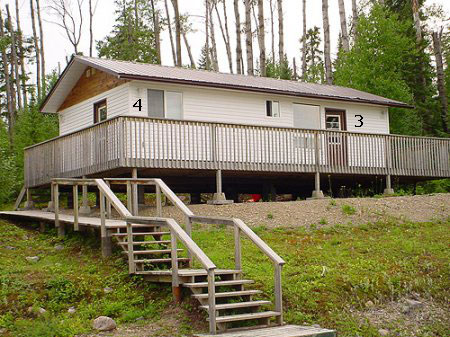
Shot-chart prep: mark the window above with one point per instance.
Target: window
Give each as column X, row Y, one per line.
column 100, row 112
column 165, row 104
column 174, row 105
column 306, row 116
column 333, row 122
column 272, row 109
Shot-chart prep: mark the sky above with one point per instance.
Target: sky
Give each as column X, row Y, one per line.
column 57, row 46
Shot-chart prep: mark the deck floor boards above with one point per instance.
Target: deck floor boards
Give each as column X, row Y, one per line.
column 67, row 218
column 279, row 331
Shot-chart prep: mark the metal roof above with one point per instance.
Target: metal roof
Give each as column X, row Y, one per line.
column 151, row 72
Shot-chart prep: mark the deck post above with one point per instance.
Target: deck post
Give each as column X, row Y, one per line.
column 108, row 205
column 317, row 193
column 278, row 293
column 84, row 209
column 29, row 203
column 76, row 226
column 51, row 203
column 176, row 290
column 219, row 197
column 158, row 202
column 134, row 188
column 212, row 301
column 237, row 248
column 388, row 190
column 58, row 224
column 106, row 239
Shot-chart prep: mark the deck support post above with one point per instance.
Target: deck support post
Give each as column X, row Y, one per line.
column 176, row 289
column 29, row 203
column 317, row 193
column 84, row 209
column 388, row 190
column 41, row 226
column 106, row 239
column 219, row 197
column 51, row 203
column 76, row 226
column 134, row 188
column 60, row 227
column 158, row 202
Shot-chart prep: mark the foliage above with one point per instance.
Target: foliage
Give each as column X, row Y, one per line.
column 315, row 71
column 8, row 174
column 280, row 70
column 379, row 62
column 132, row 39
column 203, row 63
column 348, row 209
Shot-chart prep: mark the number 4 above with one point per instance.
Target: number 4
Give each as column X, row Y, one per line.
column 138, row 104
column 359, row 120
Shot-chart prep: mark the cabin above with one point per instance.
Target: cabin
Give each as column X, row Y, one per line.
column 204, row 131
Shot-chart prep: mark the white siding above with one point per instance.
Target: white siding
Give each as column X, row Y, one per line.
column 80, row 115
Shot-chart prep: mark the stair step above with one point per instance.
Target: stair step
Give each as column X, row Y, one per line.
column 229, row 294
column 156, row 251
column 237, row 305
column 246, row 317
column 275, row 331
column 135, row 243
column 141, row 234
column 190, row 272
column 218, row 283
column 181, row 259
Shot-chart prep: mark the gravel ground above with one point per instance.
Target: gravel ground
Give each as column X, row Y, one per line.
column 420, row 208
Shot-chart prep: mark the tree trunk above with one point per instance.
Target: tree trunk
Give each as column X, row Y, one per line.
column 327, row 49
column 177, row 32
column 41, row 48
column 208, row 51
column 188, row 47
column 36, row 50
column 169, row 26
column 344, row 32
column 304, row 42
column 249, row 37
column 14, row 59
column 280, row 31
column 136, row 15
column 294, row 65
column 225, row 35
column 11, row 109
column 415, row 10
column 440, row 79
column 355, row 17
column 91, row 33
column 21, row 57
column 272, row 29
column 156, row 30
column 261, row 38
column 214, row 57
column 237, row 15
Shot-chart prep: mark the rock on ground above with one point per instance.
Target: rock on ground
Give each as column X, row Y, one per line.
column 104, row 323
column 32, row 258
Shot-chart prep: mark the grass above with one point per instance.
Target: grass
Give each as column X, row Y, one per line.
column 348, row 210
column 330, row 274
column 73, row 277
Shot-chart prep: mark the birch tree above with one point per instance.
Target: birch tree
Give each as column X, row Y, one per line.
column 207, row 48
column 354, row 17
column 326, row 38
column 169, row 27
column 11, row 116
column 344, row 32
column 157, row 30
column 249, row 37
column 185, row 29
column 36, row 50
column 67, row 20
column 437, row 37
column 177, row 32
column 237, row 16
column 280, row 31
column 14, row 59
column 304, row 51
column 272, row 27
column 41, row 46
column 225, row 32
column 23, row 75
column 416, row 18
column 261, row 38
column 212, row 31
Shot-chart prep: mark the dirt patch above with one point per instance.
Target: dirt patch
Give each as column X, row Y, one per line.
column 420, row 208
column 400, row 318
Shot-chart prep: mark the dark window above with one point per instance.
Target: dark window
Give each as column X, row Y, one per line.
column 100, row 112
column 155, row 101
column 272, row 109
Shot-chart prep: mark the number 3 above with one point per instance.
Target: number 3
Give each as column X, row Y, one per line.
column 359, row 120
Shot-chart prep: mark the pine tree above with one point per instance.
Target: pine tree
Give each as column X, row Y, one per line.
column 315, row 71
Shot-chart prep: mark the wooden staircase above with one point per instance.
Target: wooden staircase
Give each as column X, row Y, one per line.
column 235, row 303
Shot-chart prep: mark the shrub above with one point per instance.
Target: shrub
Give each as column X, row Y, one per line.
column 348, row 210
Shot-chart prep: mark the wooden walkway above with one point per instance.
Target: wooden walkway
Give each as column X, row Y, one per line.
column 66, row 218
column 280, row 331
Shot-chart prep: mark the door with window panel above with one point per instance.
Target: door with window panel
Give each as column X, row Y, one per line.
column 336, row 141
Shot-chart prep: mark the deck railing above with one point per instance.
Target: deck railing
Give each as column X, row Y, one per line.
column 160, row 143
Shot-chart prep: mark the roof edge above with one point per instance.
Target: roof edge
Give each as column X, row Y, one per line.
column 260, row 90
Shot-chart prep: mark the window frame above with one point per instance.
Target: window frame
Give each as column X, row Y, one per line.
column 270, row 110
column 97, row 114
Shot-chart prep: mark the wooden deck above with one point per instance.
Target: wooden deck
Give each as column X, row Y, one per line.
column 280, row 331
column 137, row 142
